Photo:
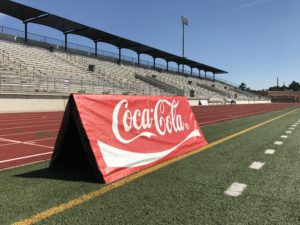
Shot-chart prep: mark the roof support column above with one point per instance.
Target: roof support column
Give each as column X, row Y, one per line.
column 199, row 73
column 191, row 71
column 214, row 77
column 178, row 67
column 167, row 65
column 154, row 62
column 120, row 49
column 30, row 20
column 66, row 41
column 138, row 59
column 96, row 49
column 26, row 31
column 205, row 74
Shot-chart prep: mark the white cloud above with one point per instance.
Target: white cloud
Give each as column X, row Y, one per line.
column 251, row 4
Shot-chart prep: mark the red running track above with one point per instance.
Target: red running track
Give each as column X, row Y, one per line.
column 27, row 137
column 30, row 137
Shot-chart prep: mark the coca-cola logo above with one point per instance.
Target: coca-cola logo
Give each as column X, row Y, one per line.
column 162, row 118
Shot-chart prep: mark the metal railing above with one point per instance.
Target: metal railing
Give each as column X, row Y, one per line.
column 31, row 79
column 43, row 41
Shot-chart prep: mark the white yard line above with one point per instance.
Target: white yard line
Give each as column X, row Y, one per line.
column 278, row 142
column 256, row 165
column 269, row 151
column 235, row 189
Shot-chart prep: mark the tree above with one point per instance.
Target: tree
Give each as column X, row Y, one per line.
column 295, row 86
column 242, row 86
column 275, row 88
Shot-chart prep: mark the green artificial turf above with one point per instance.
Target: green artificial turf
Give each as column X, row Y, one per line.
column 190, row 191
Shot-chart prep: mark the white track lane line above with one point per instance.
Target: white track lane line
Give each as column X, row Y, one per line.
column 33, row 144
column 29, row 122
column 8, row 144
column 25, row 143
column 235, row 189
column 24, row 119
column 31, row 132
column 43, row 139
column 10, row 140
column 284, row 136
column 25, row 164
column 11, row 128
column 278, row 142
column 269, row 151
column 256, row 165
column 25, row 157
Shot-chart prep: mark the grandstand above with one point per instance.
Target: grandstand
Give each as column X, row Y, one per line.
column 133, row 150
column 37, row 64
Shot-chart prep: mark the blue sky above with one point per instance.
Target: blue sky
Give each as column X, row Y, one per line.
column 254, row 40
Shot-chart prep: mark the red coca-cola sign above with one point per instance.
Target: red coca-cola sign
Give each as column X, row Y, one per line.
column 129, row 133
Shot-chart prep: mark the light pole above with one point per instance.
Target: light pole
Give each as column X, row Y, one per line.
column 185, row 22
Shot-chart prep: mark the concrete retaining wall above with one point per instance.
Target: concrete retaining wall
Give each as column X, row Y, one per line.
column 13, row 103
column 32, row 103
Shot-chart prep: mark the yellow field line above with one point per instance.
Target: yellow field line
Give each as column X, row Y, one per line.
column 84, row 198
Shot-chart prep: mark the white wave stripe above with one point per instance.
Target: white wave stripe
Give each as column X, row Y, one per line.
column 115, row 157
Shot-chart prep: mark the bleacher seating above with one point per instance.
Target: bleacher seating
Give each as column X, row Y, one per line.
column 25, row 69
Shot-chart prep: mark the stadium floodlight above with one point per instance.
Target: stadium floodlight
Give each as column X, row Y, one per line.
column 185, row 22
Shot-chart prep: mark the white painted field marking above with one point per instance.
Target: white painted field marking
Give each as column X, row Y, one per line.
column 8, row 144
column 33, row 144
column 292, row 128
column 294, row 125
column 24, row 127
column 9, row 140
column 288, row 132
column 256, row 165
column 31, row 132
column 284, row 136
column 235, row 189
column 25, row 143
column 29, row 122
column 25, row 157
column 21, row 120
column 269, row 151
column 43, row 139
column 22, row 165
column 278, row 142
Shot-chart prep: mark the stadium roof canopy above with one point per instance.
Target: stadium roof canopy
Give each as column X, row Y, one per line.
column 31, row 15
